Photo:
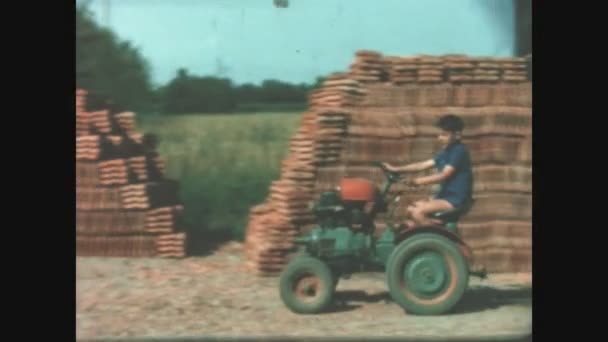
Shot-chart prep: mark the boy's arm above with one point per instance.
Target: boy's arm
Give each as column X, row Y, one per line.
column 446, row 173
column 414, row 167
column 455, row 160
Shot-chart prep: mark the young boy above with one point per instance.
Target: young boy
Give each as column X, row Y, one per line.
column 455, row 173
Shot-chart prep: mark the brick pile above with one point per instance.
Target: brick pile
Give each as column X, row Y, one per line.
column 275, row 223
column 371, row 67
column 125, row 206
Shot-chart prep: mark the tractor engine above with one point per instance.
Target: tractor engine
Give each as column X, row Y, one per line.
column 345, row 219
column 350, row 205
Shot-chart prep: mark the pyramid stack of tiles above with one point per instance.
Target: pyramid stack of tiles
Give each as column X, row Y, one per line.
column 384, row 108
column 125, row 206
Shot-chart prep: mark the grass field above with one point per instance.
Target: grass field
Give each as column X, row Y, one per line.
column 224, row 164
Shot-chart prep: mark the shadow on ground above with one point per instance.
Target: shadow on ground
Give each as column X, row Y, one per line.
column 474, row 299
column 340, row 307
column 204, row 243
column 344, row 300
column 361, row 296
column 485, row 298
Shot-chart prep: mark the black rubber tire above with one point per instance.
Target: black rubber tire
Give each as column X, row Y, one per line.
column 298, row 253
column 317, row 272
column 387, row 266
column 457, row 275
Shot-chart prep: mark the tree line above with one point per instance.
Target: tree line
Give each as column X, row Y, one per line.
column 187, row 93
column 114, row 69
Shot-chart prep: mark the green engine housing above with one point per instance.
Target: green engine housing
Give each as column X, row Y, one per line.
column 338, row 242
column 347, row 250
column 343, row 236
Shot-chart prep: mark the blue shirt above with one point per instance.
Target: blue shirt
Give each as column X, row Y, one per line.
column 458, row 188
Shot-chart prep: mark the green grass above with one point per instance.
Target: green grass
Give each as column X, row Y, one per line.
column 272, row 107
column 224, row 163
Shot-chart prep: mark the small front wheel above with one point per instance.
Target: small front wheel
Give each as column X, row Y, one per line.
column 307, row 285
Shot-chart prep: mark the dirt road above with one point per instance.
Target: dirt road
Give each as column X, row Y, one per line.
column 215, row 296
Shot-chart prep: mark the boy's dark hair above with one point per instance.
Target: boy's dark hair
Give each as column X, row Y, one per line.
column 450, row 123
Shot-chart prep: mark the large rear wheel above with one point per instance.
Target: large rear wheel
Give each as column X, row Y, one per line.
column 427, row 274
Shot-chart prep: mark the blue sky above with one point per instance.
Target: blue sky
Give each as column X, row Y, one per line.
column 251, row 40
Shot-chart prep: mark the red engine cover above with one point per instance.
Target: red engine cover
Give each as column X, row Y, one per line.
column 356, row 189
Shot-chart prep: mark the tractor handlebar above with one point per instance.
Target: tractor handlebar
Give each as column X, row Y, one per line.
column 392, row 176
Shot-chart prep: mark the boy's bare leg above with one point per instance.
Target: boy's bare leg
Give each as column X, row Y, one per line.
column 410, row 223
column 420, row 212
column 413, row 206
column 410, row 210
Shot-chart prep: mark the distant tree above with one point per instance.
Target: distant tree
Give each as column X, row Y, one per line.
column 193, row 94
column 247, row 93
column 318, row 82
column 109, row 67
column 273, row 91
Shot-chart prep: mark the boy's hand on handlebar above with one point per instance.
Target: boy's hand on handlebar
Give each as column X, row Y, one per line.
column 407, row 182
column 411, row 182
column 388, row 167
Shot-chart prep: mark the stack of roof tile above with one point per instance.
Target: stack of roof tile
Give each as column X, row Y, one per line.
column 125, row 206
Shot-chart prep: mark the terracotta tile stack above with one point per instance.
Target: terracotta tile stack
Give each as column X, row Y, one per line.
column 449, row 95
column 276, row 222
column 453, row 68
column 319, row 141
column 338, row 90
column 430, row 70
column 369, row 67
column 486, row 70
column 514, row 69
column 124, row 204
column 492, row 70
column 499, row 227
column 465, row 70
column 402, row 70
column 529, row 66
column 393, row 121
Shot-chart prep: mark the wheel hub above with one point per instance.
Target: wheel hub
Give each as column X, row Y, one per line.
column 307, row 288
column 426, row 273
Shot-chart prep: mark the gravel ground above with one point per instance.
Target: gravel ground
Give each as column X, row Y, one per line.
column 215, row 296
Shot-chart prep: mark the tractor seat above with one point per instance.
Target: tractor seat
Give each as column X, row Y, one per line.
column 454, row 214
